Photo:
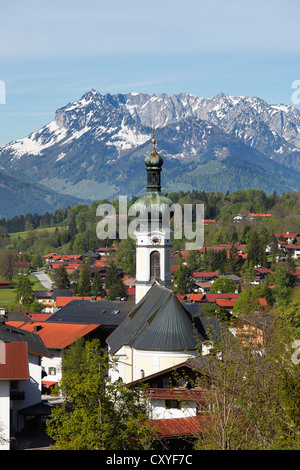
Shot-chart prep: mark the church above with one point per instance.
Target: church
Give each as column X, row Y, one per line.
column 160, row 332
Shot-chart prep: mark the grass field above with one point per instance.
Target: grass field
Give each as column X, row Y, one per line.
column 8, row 296
column 37, row 230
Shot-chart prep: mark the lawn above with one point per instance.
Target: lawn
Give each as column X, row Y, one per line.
column 8, row 296
column 35, row 231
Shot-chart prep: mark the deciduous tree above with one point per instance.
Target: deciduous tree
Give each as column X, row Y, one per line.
column 97, row 414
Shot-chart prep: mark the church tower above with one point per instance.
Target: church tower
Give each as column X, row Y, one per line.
column 153, row 238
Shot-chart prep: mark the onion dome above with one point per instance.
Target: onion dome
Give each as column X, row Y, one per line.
column 154, row 160
column 153, row 197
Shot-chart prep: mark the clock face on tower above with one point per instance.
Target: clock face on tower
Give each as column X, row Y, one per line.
column 155, row 240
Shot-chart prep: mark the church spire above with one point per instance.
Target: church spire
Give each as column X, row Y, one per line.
column 153, row 163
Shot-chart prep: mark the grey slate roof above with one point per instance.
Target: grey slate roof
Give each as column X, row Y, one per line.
column 17, row 316
column 159, row 322
column 12, row 334
column 102, row 312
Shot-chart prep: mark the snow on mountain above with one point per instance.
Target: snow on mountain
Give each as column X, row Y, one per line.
column 271, row 129
column 89, row 137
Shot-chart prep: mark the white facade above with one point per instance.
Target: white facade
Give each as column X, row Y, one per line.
column 133, row 364
column 4, row 414
column 148, row 244
column 30, row 390
column 180, row 409
column 52, row 366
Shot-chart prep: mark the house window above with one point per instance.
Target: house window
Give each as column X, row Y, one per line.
column 155, row 264
column 172, row 404
column 52, row 370
column 142, row 373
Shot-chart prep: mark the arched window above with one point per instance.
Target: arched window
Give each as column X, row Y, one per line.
column 142, row 373
column 155, row 264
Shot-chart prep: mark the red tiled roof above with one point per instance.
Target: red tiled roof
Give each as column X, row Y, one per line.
column 177, row 426
column 295, row 272
column 260, row 215
column 49, row 254
column 22, row 264
column 262, row 302
column 181, row 297
column 57, row 335
column 215, row 248
column 213, row 297
column 287, row 235
column 62, row 301
column 204, row 284
column 13, row 361
column 209, row 221
column 129, row 281
column 240, row 246
column 39, row 316
column 100, row 262
column 56, row 265
column 226, row 302
column 263, row 270
column 197, row 297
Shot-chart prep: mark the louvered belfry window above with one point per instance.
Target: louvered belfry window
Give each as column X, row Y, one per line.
column 155, row 264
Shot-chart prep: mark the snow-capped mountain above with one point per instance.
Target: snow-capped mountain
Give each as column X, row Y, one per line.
column 274, row 130
column 95, row 146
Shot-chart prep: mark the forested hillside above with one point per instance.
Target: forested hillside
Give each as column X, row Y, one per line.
column 73, row 230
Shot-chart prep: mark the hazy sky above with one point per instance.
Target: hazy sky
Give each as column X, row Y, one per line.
column 52, row 52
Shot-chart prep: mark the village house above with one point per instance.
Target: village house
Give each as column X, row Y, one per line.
column 22, row 267
column 254, row 330
column 179, row 404
column 287, row 237
column 292, row 250
column 175, row 392
column 21, row 353
column 45, row 297
column 56, row 338
column 261, row 274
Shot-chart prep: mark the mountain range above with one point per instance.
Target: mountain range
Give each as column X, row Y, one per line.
column 95, row 147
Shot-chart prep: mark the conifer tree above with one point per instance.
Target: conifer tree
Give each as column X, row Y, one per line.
column 256, row 252
column 24, row 290
column 97, row 286
column 61, row 279
column 84, row 282
column 112, row 275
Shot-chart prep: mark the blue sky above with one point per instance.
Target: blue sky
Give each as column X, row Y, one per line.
column 52, row 52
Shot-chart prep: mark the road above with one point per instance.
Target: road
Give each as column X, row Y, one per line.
column 43, row 278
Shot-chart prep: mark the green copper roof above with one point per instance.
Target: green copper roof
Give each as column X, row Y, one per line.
column 158, row 322
column 154, row 160
column 152, row 198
